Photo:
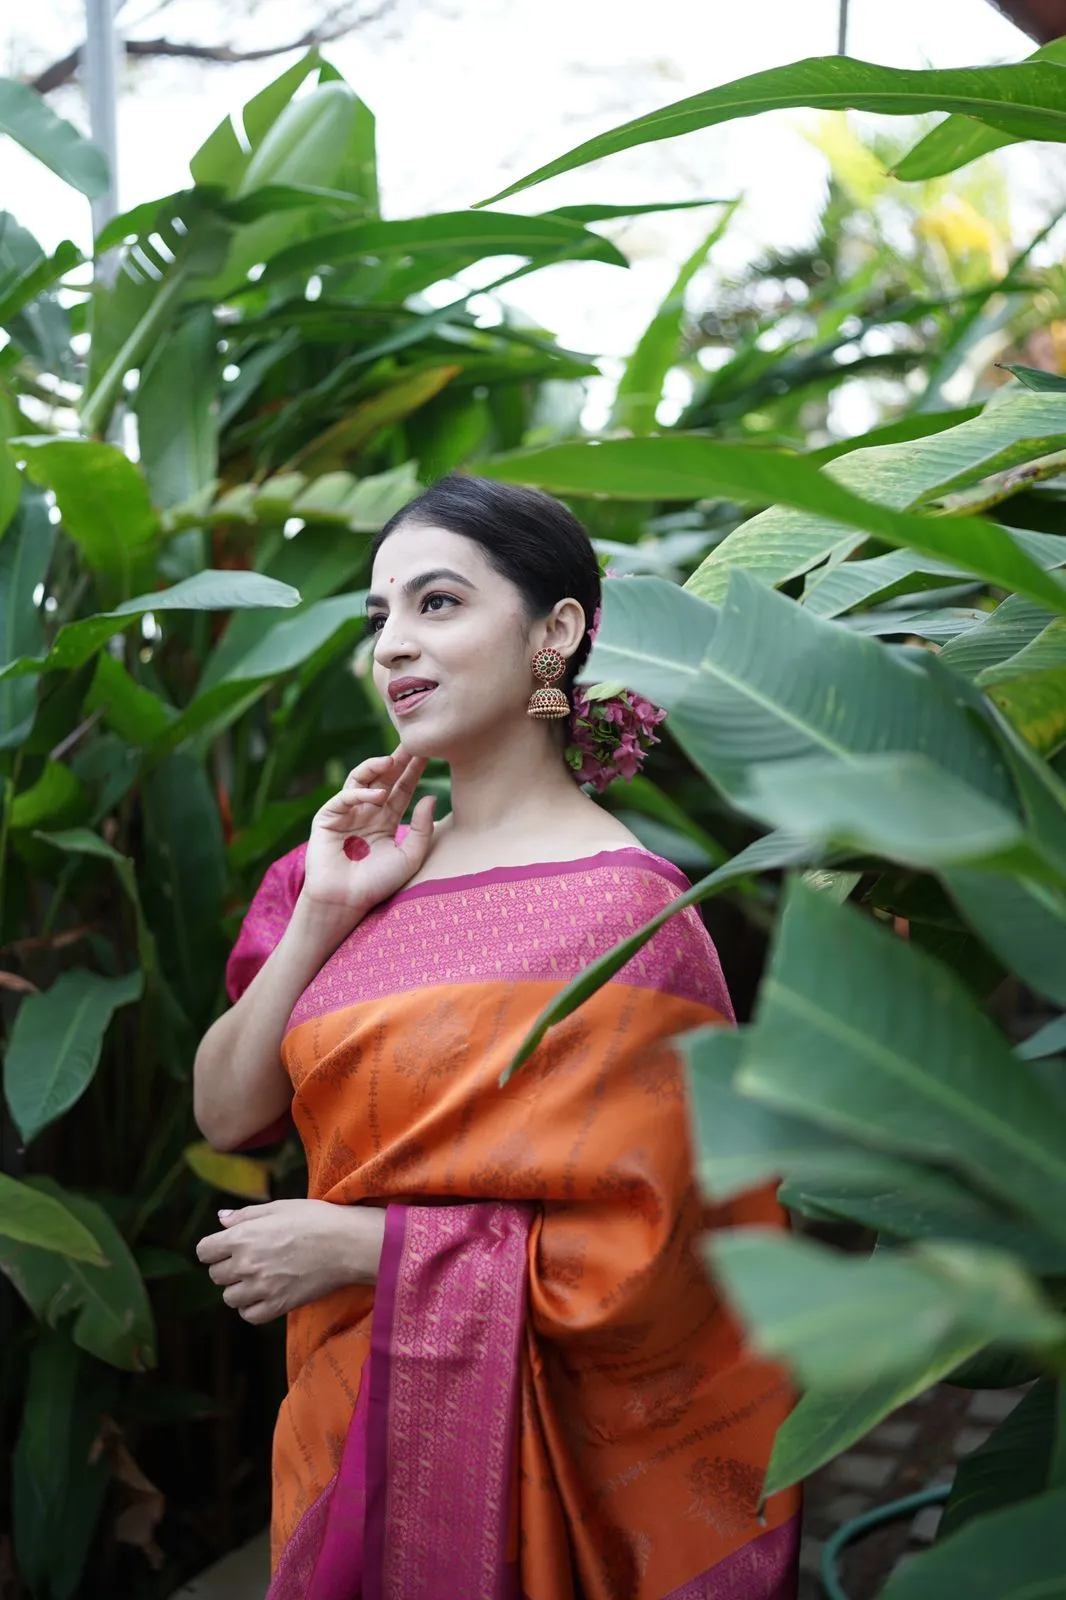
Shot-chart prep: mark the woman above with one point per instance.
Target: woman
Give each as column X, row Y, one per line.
column 509, row 1373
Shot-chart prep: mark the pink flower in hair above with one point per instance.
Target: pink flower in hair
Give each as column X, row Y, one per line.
column 610, row 738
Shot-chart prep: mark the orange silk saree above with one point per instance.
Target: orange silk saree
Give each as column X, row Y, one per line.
column 543, row 1397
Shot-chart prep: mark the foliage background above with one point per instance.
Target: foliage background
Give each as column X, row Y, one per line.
column 182, row 682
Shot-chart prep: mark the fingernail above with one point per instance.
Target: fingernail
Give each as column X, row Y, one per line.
column 223, row 1214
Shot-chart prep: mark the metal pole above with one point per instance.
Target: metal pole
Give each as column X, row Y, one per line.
column 101, row 61
column 842, row 28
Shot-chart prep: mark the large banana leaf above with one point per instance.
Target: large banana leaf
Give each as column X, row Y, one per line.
column 689, row 467
column 56, row 1043
column 25, row 554
column 26, row 117
column 1010, row 1466
column 42, row 1220
column 775, row 683
column 1013, row 1554
column 112, row 1318
column 1003, row 632
column 828, row 1421
column 1030, row 688
column 869, row 1036
column 1027, row 101
column 841, row 1322
column 959, row 140
column 105, row 506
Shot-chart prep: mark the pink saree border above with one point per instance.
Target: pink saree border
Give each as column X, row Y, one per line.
column 763, row 1569
column 443, row 1401
column 629, row 855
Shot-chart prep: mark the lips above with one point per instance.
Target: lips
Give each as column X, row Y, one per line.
column 407, row 693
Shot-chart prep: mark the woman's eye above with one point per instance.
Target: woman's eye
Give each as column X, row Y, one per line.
column 437, row 602
column 375, row 624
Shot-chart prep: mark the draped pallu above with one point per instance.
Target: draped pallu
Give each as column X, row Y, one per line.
column 543, row 1397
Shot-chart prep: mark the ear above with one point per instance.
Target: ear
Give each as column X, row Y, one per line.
column 564, row 628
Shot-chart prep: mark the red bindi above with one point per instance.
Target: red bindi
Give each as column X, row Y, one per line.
column 392, row 580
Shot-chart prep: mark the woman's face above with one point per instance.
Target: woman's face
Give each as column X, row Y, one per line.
column 453, row 642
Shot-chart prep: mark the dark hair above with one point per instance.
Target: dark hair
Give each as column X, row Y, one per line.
column 527, row 536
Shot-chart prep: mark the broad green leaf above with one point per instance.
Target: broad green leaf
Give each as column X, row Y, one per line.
column 177, row 413
column 834, row 589
column 741, row 1144
column 870, row 1037
column 204, row 591
column 84, row 842
column 776, row 683
column 923, row 1203
column 765, row 855
column 1006, row 630
column 640, row 387
column 297, row 638
column 942, row 626
column 688, row 467
column 31, row 1217
column 488, row 233
column 26, row 117
column 35, row 279
column 41, row 330
column 353, row 432
column 1023, row 922
column 60, row 1476
column 780, row 543
column 134, row 712
column 236, row 1174
column 1036, row 378
column 56, row 1042
column 1014, row 1554
column 601, row 213
column 109, row 1305
column 1010, row 1466
column 25, row 553
column 1047, row 1041
column 185, row 880
column 1030, row 688
column 905, row 807
column 1028, row 101
column 57, row 790
column 826, row 1422
column 10, row 477
column 958, row 140
column 104, row 502
column 839, row 1321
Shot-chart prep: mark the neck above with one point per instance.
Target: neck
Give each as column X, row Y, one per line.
column 516, row 780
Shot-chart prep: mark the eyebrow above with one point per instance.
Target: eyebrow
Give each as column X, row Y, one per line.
column 412, row 586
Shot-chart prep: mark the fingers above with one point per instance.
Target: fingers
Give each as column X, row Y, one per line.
column 215, row 1247
column 402, row 790
column 225, row 1272
column 239, row 1296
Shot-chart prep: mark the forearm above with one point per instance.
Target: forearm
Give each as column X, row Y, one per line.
column 239, row 1083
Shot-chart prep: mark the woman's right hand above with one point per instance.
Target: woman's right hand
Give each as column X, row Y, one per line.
column 369, row 809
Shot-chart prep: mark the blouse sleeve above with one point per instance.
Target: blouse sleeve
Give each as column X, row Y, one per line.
column 265, row 920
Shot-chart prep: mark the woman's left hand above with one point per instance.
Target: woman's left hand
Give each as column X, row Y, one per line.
column 272, row 1258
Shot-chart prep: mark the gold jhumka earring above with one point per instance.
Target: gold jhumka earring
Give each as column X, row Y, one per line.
column 546, row 701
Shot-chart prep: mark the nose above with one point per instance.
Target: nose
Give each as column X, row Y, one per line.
column 392, row 644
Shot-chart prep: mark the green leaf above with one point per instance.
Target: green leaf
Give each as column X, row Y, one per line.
column 775, row 683
column 56, row 1042
column 60, row 1475
column 1006, row 630
column 640, row 387
column 905, row 807
column 688, row 467
column 826, row 1422
column 297, row 638
column 840, row 1322
column 204, row 591
column 177, row 413
column 109, row 1305
column 763, row 856
column 354, row 432
column 1010, row 1466
column 958, row 140
column 1030, row 688
column 35, row 279
column 186, row 879
column 28, row 119
column 10, row 477
column 84, row 842
column 56, row 790
column 1014, row 1554
column 833, row 589
column 741, row 1144
column 31, row 1217
column 25, row 554
column 1047, row 1041
column 1023, row 922
column 867, row 1035
column 1037, row 378
column 104, row 502
column 134, row 712
column 486, row 233
column 1028, row 101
